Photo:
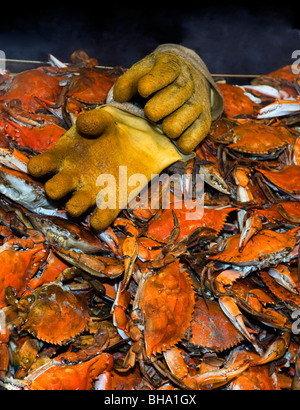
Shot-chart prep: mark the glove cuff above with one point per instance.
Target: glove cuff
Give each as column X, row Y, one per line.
column 191, row 57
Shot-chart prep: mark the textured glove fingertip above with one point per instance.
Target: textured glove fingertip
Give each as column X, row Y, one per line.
column 93, row 123
column 123, row 90
column 189, row 140
column 80, row 202
column 102, row 218
column 41, row 165
column 60, row 185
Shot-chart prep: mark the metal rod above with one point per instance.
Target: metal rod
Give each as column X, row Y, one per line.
column 237, row 75
column 12, row 60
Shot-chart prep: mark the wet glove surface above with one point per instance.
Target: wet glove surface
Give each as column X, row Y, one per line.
column 99, row 143
column 178, row 95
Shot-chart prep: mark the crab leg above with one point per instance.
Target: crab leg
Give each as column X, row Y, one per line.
column 252, row 225
column 225, row 278
column 118, row 310
column 234, row 314
column 209, row 167
column 282, row 276
column 53, row 108
column 19, row 117
column 217, row 378
column 130, row 253
column 207, row 380
column 129, row 246
column 213, row 177
column 66, row 234
column 243, row 192
column 166, row 254
column 276, row 350
column 100, row 266
column 27, row 192
column 109, row 237
column 266, row 90
column 13, row 159
column 279, row 108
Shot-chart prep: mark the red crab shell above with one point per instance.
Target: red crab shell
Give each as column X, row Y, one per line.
column 91, row 86
column 162, row 224
column 57, row 375
column 167, row 306
column 56, row 314
column 284, row 78
column 39, row 139
column 287, row 180
column 280, row 212
column 53, row 268
column 210, row 327
column 256, row 138
column 236, row 102
column 289, row 210
column 18, row 266
column 259, row 249
column 291, row 299
column 255, row 377
column 284, row 73
column 30, row 84
column 296, row 151
column 220, row 127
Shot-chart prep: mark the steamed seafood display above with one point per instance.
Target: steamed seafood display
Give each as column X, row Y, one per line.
column 192, row 285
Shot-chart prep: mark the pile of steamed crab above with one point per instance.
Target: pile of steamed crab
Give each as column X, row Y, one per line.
column 157, row 301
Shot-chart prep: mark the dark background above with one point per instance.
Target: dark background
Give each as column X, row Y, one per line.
column 230, row 38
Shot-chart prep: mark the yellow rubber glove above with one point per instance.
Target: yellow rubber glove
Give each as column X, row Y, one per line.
column 99, row 143
column 180, row 95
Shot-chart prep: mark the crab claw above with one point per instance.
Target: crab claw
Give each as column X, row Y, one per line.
column 55, row 62
column 217, row 378
column 276, row 350
column 130, row 253
column 66, row 234
column 20, row 187
column 213, row 178
column 252, row 225
column 118, row 310
column 266, row 90
column 282, row 276
column 279, row 108
column 234, row 314
column 201, row 381
column 226, row 278
column 51, row 106
column 100, row 266
column 12, row 158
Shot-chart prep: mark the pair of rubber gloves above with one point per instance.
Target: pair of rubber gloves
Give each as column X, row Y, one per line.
column 181, row 101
